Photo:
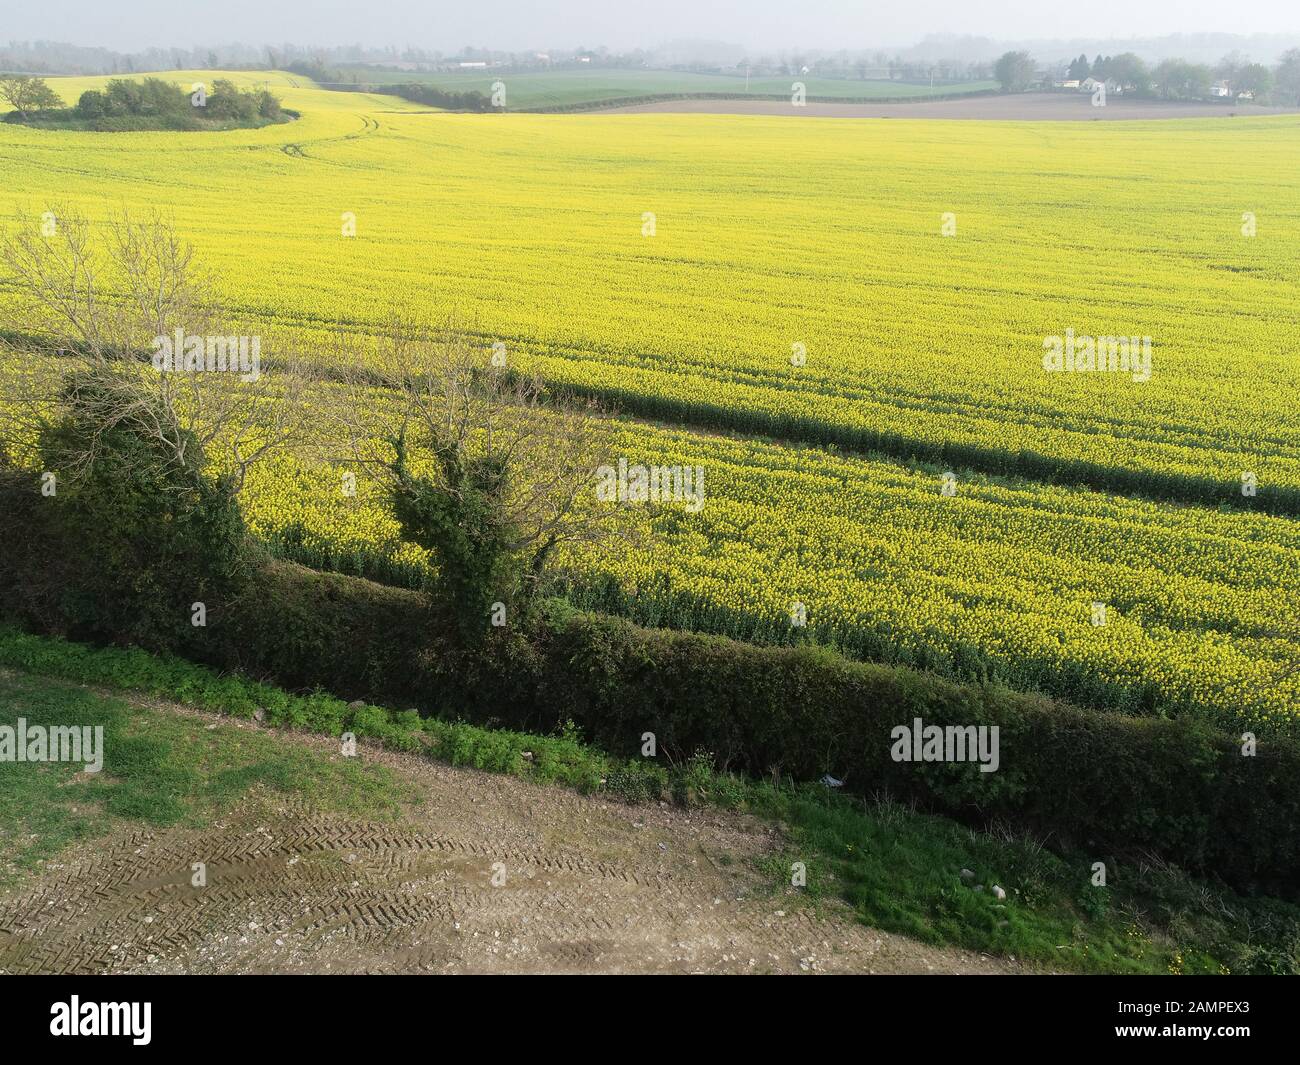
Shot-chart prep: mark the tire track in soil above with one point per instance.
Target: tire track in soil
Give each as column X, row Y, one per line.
column 589, row 886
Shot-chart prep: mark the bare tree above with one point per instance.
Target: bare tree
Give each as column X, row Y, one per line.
column 104, row 292
column 105, row 302
column 427, row 411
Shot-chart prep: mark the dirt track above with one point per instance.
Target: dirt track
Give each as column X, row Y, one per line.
column 590, row 886
column 1026, row 107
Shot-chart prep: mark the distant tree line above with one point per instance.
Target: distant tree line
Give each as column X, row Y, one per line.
column 428, row 95
column 50, row 57
column 223, row 101
column 151, row 103
column 1171, row 79
column 432, row 96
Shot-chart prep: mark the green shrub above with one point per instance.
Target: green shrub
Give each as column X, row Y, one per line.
column 639, row 781
column 368, row 721
column 132, row 536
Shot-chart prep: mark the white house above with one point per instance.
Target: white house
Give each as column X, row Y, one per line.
column 1113, row 87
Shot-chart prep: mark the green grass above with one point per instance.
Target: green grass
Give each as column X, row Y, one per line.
column 160, row 769
column 899, row 869
column 569, row 87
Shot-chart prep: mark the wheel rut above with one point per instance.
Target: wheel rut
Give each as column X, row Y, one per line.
column 485, row 873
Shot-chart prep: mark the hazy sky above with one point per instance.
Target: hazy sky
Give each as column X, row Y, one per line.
column 516, row 24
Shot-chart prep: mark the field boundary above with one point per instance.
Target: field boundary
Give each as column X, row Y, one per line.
column 1174, row 786
column 652, row 98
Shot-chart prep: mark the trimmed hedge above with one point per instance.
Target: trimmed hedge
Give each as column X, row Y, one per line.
column 559, row 758
column 1098, row 781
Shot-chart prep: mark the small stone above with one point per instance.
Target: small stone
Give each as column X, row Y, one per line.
column 998, row 893
column 967, row 874
column 259, row 714
column 356, row 704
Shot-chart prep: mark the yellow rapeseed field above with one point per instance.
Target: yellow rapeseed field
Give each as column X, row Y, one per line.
column 881, row 284
column 996, row 580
